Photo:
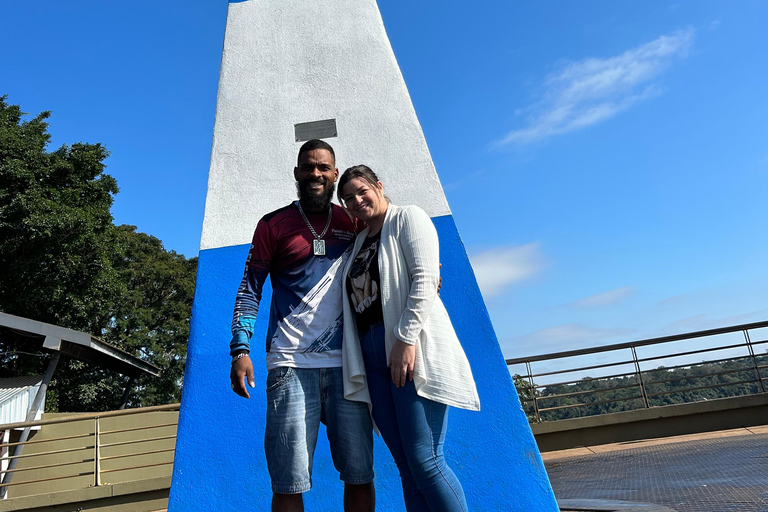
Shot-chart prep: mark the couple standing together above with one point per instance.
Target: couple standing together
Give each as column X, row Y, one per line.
column 357, row 338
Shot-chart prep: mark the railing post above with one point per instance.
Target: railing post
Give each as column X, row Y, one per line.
column 754, row 361
column 533, row 391
column 96, row 462
column 640, row 378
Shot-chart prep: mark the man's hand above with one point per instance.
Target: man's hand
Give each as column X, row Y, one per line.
column 440, row 282
column 401, row 362
column 241, row 369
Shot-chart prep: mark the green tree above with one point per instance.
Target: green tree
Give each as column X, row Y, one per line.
column 64, row 262
column 151, row 319
column 525, row 392
column 56, row 230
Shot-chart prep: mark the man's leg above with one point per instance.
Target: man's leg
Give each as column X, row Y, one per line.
column 293, row 419
column 350, row 434
column 287, row 503
column 360, row 497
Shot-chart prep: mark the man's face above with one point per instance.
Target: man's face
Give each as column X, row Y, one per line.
column 315, row 177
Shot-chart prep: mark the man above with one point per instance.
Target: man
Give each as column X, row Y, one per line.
column 303, row 247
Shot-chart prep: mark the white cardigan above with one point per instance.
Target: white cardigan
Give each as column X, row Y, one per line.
column 409, row 260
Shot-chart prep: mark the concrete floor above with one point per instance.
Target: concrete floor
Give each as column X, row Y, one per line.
column 713, row 472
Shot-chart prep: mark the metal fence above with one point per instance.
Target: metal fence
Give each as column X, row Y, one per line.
column 88, row 450
column 638, row 374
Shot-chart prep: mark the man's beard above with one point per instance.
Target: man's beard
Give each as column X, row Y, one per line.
column 315, row 202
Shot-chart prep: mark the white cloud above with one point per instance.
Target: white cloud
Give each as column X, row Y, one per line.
column 500, row 267
column 560, row 338
column 604, row 299
column 580, row 94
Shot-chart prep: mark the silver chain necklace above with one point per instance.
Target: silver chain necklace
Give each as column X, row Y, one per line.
column 318, row 244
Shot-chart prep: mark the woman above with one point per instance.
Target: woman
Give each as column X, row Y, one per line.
column 401, row 354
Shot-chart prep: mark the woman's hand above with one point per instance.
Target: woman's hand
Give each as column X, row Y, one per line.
column 401, row 361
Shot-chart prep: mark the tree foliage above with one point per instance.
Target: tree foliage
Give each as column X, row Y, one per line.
column 151, row 317
column 64, row 262
column 56, row 231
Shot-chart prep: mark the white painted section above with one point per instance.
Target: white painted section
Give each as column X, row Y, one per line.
column 289, row 62
column 16, row 397
column 4, row 453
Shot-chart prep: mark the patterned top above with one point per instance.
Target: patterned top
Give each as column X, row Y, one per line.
column 305, row 318
column 363, row 285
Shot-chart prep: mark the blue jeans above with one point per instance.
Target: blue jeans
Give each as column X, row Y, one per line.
column 413, row 428
column 298, row 400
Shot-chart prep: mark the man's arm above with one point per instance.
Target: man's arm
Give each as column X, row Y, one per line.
column 247, row 306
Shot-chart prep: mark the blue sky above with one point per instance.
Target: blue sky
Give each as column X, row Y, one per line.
column 606, row 162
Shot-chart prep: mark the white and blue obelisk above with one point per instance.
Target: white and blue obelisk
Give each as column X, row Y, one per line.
column 290, row 71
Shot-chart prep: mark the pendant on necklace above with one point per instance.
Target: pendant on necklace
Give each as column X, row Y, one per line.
column 319, row 247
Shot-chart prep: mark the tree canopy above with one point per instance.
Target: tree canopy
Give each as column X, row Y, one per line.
column 65, row 262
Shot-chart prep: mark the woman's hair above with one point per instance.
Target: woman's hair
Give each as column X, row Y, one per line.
column 358, row 171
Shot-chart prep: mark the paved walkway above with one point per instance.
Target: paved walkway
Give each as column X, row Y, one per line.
column 714, row 472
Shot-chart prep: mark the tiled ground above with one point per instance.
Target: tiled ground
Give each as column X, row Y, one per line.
column 715, row 474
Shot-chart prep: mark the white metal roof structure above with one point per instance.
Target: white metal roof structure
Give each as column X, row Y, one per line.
column 60, row 341
column 80, row 345
column 16, row 396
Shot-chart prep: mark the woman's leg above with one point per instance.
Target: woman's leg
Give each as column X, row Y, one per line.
column 379, row 380
column 422, row 425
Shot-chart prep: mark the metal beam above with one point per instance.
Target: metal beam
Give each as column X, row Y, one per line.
column 126, row 393
column 82, row 346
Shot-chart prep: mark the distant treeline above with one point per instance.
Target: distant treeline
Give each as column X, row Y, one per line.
column 663, row 386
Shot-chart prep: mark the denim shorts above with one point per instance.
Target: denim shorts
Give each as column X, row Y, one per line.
column 298, row 400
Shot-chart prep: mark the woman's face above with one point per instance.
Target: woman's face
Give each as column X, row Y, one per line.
column 363, row 200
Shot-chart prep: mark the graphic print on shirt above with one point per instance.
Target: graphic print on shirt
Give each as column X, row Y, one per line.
column 364, row 290
column 305, row 316
column 310, row 327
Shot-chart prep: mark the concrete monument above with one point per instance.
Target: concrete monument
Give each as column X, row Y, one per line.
column 290, row 71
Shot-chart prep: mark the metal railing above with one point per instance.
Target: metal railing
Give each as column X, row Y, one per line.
column 639, row 385
column 89, row 448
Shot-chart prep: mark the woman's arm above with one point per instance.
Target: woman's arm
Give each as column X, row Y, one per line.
column 420, row 246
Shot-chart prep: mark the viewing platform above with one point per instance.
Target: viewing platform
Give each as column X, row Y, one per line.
column 713, row 472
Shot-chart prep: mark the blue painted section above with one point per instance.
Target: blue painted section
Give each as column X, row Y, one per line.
column 220, row 462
